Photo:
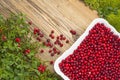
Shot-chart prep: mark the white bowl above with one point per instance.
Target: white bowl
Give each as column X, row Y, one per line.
column 77, row 43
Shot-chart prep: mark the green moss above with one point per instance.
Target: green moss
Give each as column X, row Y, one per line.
column 114, row 20
column 108, row 9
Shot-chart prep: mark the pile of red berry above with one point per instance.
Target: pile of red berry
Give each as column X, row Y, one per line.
column 59, row 40
column 96, row 58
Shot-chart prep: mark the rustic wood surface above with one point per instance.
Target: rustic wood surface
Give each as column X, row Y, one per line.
column 57, row 15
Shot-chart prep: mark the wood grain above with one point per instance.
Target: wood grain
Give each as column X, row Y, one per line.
column 57, row 15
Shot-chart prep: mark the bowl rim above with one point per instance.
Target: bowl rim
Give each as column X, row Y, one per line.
column 78, row 41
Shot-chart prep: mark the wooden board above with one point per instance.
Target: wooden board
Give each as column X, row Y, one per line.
column 57, row 15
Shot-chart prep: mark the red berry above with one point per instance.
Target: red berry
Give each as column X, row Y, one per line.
column 52, row 37
column 52, row 54
column 48, row 40
column 63, row 38
column 54, row 49
column 4, row 38
column 51, row 62
column 55, row 52
column 55, row 42
column 30, row 22
column 52, row 31
column 58, row 37
column 67, row 41
column 61, row 45
column 17, row 40
column 41, row 35
column 41, row 51
column 51, row 45
column 41, row 68
column 58, row 52
column 50, row 51
column 61, row 35
column 36, row 31
column 38, row 38
column 48, row 44
column 73, row 32
column 27, row 51
column 44, row 43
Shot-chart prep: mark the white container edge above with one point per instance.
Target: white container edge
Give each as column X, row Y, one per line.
column 78, row 42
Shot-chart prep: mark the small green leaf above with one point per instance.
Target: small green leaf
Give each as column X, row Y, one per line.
column 23, row 31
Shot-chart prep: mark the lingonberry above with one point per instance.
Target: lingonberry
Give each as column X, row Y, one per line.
column 48, row 44
column 50, row 51
column 44, row 43
column 30, row 22
column 41, row 51
column 41, row 68
column 51, row 45
column 73, row 32
column 61, row 45
column 96, row 58
column 55, row 42
column 41, row 35
column 55, row 52
column 61, row 35
column 51, row 62
column 38, row 38
column 27, row 51
column 67, row 41
column 58, row 52
column 4, row 38
column 63, row 38
column 54, row 49
column 17, row 40
column 48, row 40
column 52, row 36
column 57, row 37
column 52, row 31
column 36, row 30
column 52, row 54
